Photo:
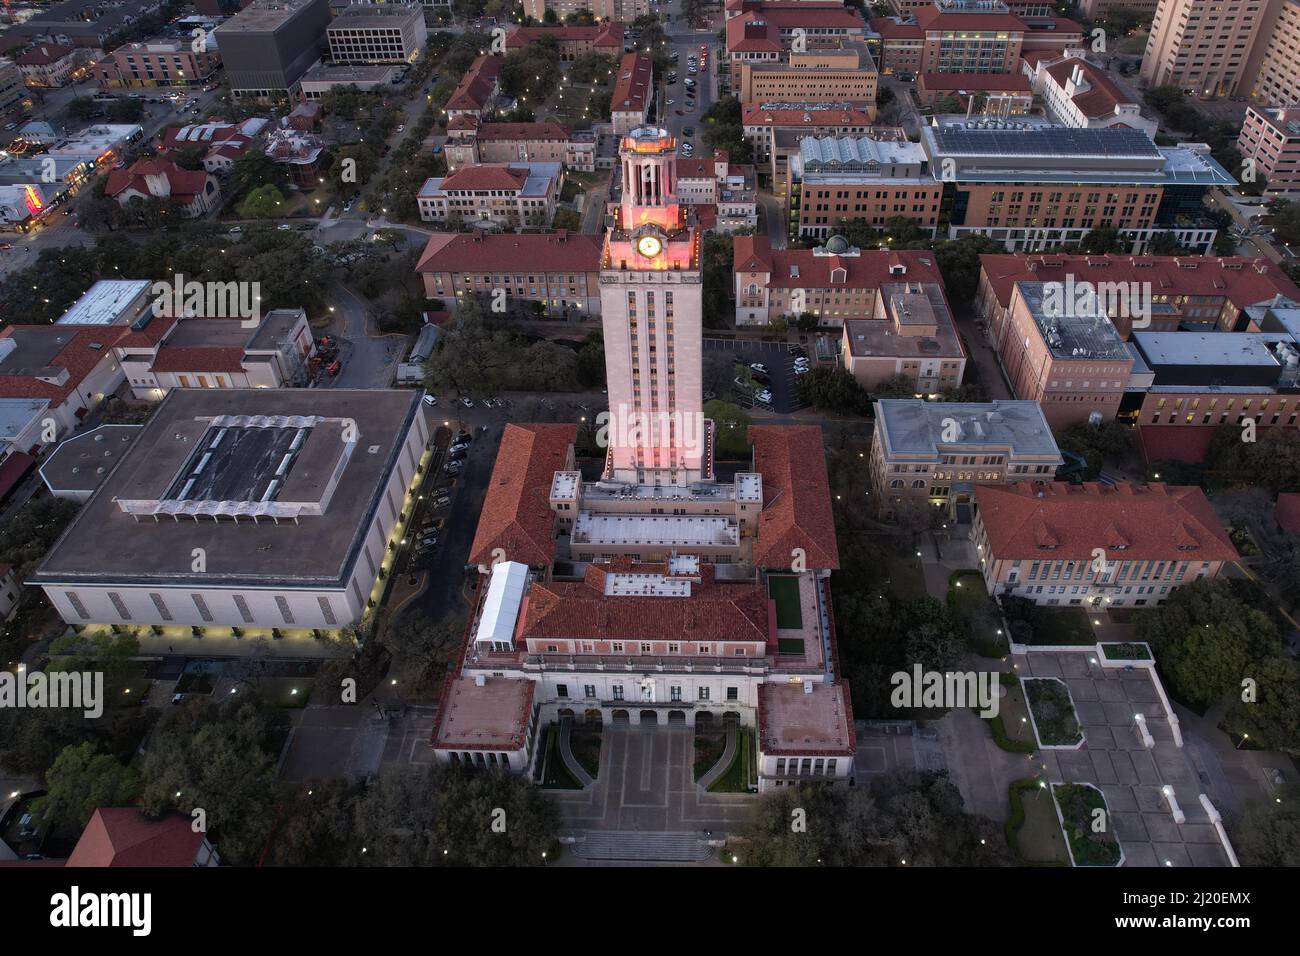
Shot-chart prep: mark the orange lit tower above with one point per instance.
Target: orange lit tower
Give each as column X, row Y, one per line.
column 651, row 299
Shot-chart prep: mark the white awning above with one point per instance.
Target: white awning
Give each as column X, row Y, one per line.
column 505, row 595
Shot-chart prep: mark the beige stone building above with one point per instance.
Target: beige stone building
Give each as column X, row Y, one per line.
column 910, row 334
column 1205, row 48
column 936, row 451
column 1092, row 545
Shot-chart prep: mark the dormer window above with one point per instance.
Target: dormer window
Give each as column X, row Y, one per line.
column 839, row 274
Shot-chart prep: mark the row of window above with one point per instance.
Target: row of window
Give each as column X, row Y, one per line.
column 201, row 605
column 616, row 692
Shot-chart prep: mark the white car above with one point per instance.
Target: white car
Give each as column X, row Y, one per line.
column 672, row 102
column 467, row 402
column 763, row 397
column 431, row 400
column 758, row 367
column 801, row 370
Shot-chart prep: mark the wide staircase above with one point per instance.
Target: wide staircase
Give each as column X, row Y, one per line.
column 630, row 845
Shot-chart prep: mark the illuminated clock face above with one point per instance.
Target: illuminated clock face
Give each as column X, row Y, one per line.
column 649, row 246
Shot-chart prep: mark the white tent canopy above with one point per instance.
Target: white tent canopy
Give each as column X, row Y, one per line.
column 505, row 595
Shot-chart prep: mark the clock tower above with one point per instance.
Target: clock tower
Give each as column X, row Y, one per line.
column 651, row 301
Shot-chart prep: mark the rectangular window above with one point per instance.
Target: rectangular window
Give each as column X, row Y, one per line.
column 283, row 605
column 617, row 690
column 158, row 604
column 202, row 606
column 241, row 605
column 704, row 693
column 562, row 690
column 119, row 605
column 326, row 611
column 589, row 691
column 733, row 693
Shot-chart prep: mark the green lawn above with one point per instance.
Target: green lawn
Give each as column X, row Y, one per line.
column 737, row 777
column 286, row 691
column 1011, row 729
column 790, row 645
column 784, row 590
column 968, row 597
column 1130, row 651
column 1053, row 713
column 1033, row 831
column 905, row 578
column 1061, row 625
column 708, row 748
column 131, row 693
column 1078, row 809
column 586, row 750
column 555, row 775
column 195, row 683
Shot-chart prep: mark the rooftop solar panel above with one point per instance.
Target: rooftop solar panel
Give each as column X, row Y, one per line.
column 1044, row 141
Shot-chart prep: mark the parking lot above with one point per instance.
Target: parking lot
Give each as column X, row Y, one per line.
column 779, row 362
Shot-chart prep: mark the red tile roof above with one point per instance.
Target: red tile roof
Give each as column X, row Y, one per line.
column 516, row 516
column 527, row 131
column 1241, row 281
column 932, row 18
column 799, row 13
column 198, row 358
column 694, row 168
column 752, row 33
column 713, row 612
column 476, row 86
column 12, row 471
column 977, row 82
column 754, row 115
column 1064, row 521
column 632, row 87
column 82, row 349
column 483, row 252
column 1098, row 101
column 866, row 270
column 796, row 497
column 123, row 836
column 607, row 36
column 486, row 177
column 44, row 55
column 891, row 29
column 185, row 183
column 1287, row 512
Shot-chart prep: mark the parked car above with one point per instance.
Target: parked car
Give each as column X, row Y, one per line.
column 763, row 397
column 431, row 400
column 335, row 367
column 758, row 367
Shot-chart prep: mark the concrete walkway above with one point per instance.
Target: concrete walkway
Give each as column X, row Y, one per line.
column 578, row 771
column 724, row 762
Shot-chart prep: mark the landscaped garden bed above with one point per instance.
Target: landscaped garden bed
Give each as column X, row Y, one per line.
column 1033, row 829
column 708, row 750
column 1091, row 840
column 1036, row 624
column 585, row 745
column 1010, row 725
column 1127, row 651
column 983, row 618
column 555, row 775
column 1052, row 712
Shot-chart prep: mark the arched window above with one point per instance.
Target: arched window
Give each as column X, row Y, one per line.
column 918, row 483
column 896, row 483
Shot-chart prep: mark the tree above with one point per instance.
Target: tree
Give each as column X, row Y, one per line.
column 445, row 815
column 724, row 130
column 126, row 110
column 731, row 424
column 26, row 537
column 834, row 389
column 190, row 157
column 591, row 361
column 969, row 392
column 253, row 170
column 1101, row 240
column 903, row 817
column 83, row 779
column 423, row 649
column 1206, row 640
column 316, row 826
column 1267, row 832
column 220, row 759
column 896, row 386
column 83, row 108
column 265, row 202
column 1097, row 444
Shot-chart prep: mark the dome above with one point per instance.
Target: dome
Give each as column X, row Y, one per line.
column 837, row 245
